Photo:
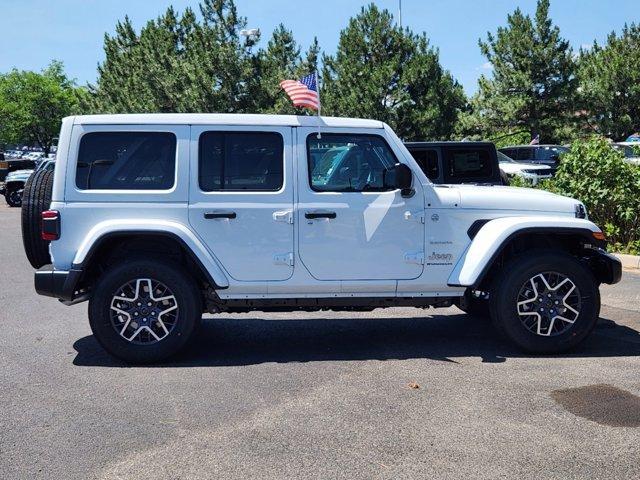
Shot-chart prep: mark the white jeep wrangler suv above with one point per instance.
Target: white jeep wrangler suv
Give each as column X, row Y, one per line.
column 157, row 218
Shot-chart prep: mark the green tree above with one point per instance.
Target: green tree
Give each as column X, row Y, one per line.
column 197, row 63
column 391, row 74
column 178, row 63
column 609, row 79
column 32, row 105
column 532, row 88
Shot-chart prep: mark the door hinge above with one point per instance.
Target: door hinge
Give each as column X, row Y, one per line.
column 283, row 259
column 414, row 257
column 415, row 216
column 283, row 216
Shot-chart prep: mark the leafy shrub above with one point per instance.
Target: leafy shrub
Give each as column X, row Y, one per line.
column 597, row 175
column 518, row 181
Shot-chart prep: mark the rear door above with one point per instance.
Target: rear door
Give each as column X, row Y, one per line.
column 241, row 198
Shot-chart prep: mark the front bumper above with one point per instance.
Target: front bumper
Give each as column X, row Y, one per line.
column 607, row 268
column 3, row 188
column 57, row 283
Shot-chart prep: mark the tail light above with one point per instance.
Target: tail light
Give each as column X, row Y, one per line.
column 50, row 225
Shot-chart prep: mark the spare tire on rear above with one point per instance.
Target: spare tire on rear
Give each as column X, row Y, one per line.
column 35, row 200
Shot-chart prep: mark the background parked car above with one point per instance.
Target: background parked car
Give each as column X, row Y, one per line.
column 15, row 181
column 538, row 154
column 627, row 150
column 528, row 171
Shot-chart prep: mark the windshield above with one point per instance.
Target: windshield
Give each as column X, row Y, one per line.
column 550, row 153
column 626, row 150
column 502, row 158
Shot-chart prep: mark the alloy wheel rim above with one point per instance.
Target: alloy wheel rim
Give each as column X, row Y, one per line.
column 144, row 311
column 16, row 198
column 548, row 304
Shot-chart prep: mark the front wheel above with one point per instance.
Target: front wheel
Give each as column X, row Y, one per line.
column 144, row 311
column 546, row 302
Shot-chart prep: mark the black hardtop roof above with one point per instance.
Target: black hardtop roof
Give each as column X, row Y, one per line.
column 449, row 144
column 543, row 145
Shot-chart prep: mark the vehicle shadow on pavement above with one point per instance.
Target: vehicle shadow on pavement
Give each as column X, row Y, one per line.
column 240, row 341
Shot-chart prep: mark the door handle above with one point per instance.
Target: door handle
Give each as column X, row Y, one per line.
column 313, row 215
column 211, row 215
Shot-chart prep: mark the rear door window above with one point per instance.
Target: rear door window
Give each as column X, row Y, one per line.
column 126, row 161
column 252, row 161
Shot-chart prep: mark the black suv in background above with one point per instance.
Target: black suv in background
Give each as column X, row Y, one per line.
column 542, row 154
column 458, row 162
column 11, row 164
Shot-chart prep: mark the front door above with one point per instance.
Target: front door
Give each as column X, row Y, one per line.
column 352, row 227
column 241, row 198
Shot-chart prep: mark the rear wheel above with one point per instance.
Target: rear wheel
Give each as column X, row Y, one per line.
column 13, row 196
column 36, row 199
column 144, row 311
column 546, row 302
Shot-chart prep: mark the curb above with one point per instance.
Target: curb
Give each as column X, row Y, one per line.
column 629, row 261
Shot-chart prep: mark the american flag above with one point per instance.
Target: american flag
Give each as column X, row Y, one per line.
column 303, row 92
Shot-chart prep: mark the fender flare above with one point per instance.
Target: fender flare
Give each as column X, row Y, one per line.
column 177, row 231
column 495, row 235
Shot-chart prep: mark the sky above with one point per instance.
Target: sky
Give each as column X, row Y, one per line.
column 33, row 32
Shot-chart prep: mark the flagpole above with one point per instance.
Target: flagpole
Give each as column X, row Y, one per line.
column 319, row 103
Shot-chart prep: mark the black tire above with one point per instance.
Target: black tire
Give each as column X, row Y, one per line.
column 35, row 200
column 13, row 197
column 504, row 178
column 507, row 288
column 478, row 307
column 181, row 285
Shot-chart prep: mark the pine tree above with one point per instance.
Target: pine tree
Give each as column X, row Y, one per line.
column 532, row 88
column 391, row 74
column 609, row 78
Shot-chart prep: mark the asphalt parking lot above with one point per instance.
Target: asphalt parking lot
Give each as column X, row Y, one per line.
column 325, row 395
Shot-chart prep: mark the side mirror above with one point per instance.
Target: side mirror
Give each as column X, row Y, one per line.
column 400, row 176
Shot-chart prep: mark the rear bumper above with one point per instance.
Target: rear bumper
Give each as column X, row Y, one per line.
column 57, row 283
column 607, row 268
column 3, row 188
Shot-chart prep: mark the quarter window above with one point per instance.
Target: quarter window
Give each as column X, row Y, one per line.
column 126, row 161
column 241, row 161
column 348, row 163
column 428, row 161
column 468, row 164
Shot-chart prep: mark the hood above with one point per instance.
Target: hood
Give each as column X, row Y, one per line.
column 18, row 174
column 514, row 198
column 519, row 167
